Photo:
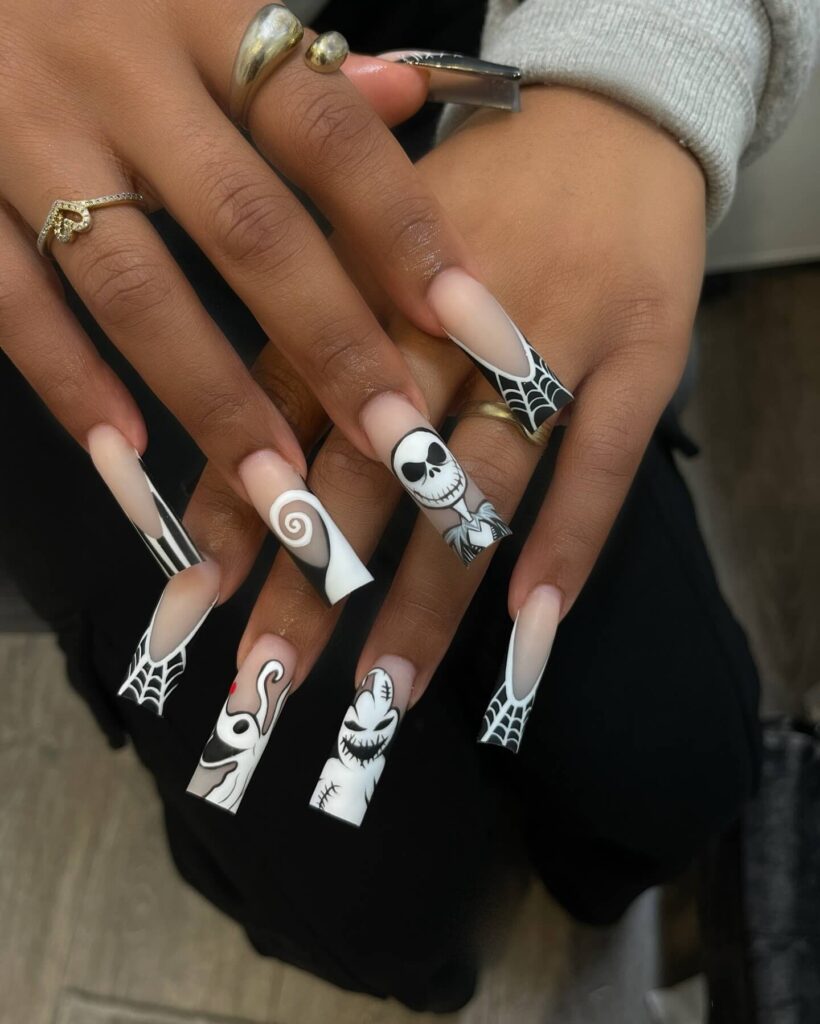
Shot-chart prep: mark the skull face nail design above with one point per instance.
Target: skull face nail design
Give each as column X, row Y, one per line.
column 432, row 476
column 350, row 775
column 428, row 469
column 245, row 724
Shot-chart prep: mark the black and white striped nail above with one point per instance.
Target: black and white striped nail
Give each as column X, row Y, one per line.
column 120, row 466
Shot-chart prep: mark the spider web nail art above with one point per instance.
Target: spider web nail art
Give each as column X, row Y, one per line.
column 149, row 681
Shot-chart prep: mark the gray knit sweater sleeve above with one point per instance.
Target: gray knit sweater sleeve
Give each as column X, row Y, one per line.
column 723, row 76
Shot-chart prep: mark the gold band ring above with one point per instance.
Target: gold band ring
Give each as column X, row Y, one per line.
column 70, row 217
column 499, row 411
column 268, row 40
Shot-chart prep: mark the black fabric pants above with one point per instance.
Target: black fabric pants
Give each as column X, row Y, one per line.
column 643, row 742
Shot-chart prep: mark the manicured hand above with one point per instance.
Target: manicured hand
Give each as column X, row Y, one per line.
column 588, row 223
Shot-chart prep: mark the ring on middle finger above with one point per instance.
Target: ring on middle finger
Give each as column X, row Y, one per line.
column 269, row 39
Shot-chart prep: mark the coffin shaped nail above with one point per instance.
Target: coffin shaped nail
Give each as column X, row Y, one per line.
column 350, row 775
column 527, row 655
column 303, row 526
column 455, row 78
column 161, row 654
column 120, row 466
column 432, row 476
column 475, row 321
column 245, row 724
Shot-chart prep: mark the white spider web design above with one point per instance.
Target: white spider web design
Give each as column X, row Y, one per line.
column 152, row 682
column 505, row 718
column 534, row 399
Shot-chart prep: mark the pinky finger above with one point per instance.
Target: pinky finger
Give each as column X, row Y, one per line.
column 48, row 346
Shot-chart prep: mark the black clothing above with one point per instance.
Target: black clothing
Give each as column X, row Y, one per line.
column 642, row 744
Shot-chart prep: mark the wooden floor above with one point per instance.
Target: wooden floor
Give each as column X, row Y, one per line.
column 96, row 927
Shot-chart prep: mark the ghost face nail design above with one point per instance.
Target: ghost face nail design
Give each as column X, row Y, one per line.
column 245, row 724
column 349, row 777
column 303, row 525
column 477, row 324
column 527, row 655
column 124, row 473
column 161, row 654
column 432, row 476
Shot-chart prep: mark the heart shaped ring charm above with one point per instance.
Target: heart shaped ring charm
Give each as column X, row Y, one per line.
column 70, row 217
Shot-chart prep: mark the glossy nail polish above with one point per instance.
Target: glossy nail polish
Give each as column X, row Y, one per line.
column 527, row 655
column 120, row 466
column 245, row 724
column 432, row 476
column 475, row 321
column 303, row 526
column 350, row 775
column 471, row 81
column 161, row 654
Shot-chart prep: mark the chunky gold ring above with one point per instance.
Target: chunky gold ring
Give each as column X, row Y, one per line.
column 70, row 217
column 269, row 38
column 499, row 411
column 327, row 52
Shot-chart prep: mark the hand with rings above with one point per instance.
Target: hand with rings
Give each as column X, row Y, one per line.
column 109, row 110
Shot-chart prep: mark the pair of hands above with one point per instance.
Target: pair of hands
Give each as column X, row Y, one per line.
column 583, row 218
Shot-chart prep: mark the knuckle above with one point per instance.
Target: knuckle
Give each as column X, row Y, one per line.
column 343, row 351
column 221, row 413
column 608, row 455
column 124, row 285
column 414, row 227
column 292, row 398
column 420, row 610
column 335, row 129
column 639, row 314
column 344, row 470
column 252, row 223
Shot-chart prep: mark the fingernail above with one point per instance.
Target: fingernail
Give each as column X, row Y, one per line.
column 431, row 475
column 161, row 654
column 455, row 78
column 255, row 701
column 349, row 777
column 475, row 321
column 120, row 466
column 303, row 526
column 527, row 655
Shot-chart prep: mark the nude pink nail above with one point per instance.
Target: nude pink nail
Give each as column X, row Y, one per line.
column 122, row 469
column 527, row 655
column 162, row 653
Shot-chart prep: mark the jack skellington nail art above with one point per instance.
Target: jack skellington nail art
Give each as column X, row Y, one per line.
column 435, row 480
column 245, row 724
column 349, row 777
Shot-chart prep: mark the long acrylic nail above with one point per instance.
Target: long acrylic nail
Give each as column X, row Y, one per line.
column 475, row 321
column 349, row 777
column 161, row 654
column 527, row 655
column 122, row 470
column 431, row 475
column 243, row 729
column 455, row 78
column 303, row 525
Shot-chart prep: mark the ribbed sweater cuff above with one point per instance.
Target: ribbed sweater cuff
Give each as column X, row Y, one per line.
column 697, row 69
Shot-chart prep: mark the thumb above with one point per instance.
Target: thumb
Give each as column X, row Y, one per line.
column 395, row 91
